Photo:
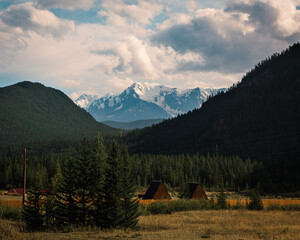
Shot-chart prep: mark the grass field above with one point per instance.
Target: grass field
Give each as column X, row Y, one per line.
column 16, row 201
column 222, row 224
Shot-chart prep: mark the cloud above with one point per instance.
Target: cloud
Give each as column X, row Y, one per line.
column 17, row 23
column 65, row 4
column 279, row 19
column 133, row 57
column 143, row 12
column 27, row 18
column 171, row 42
column 232, row 40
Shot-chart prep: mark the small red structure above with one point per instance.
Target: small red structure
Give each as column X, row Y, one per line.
column 156, row 190
column 17, row 191
column 196, row 191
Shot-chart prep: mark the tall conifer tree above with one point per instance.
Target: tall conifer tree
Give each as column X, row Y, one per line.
column 51, row 198
column 33, row 210
column 111, row 194
column 83, row 171
column 130, row 206
column 99, row 163
column 66, row 192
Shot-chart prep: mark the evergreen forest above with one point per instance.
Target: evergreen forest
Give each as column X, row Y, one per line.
column 95, row 188
column 211, row 170
column 257, row 118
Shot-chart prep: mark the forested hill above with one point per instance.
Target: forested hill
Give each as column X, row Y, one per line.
column 259, row 117
column 31, row 112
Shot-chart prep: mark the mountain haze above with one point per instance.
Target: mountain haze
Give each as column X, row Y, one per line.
column 31, row 112
column 133, row 125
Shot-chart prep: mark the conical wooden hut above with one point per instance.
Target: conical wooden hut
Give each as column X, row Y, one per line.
column 156, row 190
column 196, row 191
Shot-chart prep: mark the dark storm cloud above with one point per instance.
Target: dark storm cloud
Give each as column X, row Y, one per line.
column 233, row 53
column 229, row 49
column 261, row 15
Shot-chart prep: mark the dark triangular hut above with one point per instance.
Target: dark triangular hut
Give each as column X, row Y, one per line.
column 156, row 190
column 196, row 191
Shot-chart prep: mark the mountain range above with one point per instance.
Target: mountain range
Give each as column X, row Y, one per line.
column 144, row 101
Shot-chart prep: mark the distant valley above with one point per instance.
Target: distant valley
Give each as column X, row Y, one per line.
column 134, row 124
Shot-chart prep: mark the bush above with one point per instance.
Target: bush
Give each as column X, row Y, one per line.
column 159, row 208
column 13, row 213
column 274, row 207
column 169, row 207
column 291, row 207
column 221, row 197
column 200, row 204
column 255, row 201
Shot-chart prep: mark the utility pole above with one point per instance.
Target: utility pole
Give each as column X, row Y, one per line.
column 24, row 175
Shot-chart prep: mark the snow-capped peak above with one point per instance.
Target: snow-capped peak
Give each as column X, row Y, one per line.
column 85, row 100
column 141, row 97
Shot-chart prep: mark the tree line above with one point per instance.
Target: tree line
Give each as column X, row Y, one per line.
column 96, row 188
column 211, row 170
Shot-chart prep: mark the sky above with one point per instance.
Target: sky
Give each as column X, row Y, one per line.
column 101, row 46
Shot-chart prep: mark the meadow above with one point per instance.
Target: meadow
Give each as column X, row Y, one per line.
column 271, row 223
column 212, row 224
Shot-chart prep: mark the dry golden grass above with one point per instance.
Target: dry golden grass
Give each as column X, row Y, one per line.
column 227, row 224
column 234, row 202
column 11, row 202
column 266, row 202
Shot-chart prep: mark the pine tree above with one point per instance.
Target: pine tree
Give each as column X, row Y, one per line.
column 129, row 204
column 51, row 198
column 99, row 163
column 83, row 181
column 65, row 197
column 111, row 193
column 33, row 210
column 183, row 190
column 255, row 201
column 221, row 197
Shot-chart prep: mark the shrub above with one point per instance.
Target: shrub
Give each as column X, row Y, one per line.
column 291, row 207
column 13, row 213
column 255, row 201
column 221, row 197
column 159, row 208
column 200, row 204
column 274, row 207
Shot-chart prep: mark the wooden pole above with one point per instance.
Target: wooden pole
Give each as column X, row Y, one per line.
column 24, row 175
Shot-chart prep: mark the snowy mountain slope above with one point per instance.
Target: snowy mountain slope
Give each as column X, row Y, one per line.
column 85, row 100
column 145, row 101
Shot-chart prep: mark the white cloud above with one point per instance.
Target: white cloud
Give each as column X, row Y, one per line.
column 66, row 4
column 142, row 13
column 27, row 18
column 18, row 21
column 190, row 47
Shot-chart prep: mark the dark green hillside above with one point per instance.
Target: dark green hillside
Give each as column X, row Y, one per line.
column 259, row 117
column 31, row 112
